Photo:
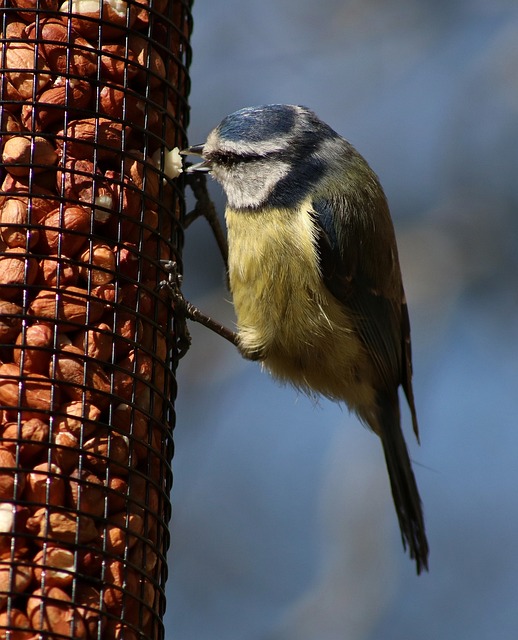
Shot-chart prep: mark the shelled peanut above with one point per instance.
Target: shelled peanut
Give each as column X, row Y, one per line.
column 84, row 382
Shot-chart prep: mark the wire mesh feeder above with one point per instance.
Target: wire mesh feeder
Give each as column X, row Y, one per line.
column 92, row 97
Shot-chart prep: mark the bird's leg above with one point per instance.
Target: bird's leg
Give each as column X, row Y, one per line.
column 186, row 310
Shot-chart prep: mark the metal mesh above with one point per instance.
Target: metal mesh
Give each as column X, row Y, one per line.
column 93, row 95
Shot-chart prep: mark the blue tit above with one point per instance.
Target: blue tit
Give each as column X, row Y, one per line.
column 315, row 278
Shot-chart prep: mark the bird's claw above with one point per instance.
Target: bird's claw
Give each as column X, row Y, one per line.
column 173, row 285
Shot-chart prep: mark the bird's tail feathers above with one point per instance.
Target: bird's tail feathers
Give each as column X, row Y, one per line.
column 404, row 489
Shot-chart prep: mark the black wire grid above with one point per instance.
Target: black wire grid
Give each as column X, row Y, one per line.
column 93, row 96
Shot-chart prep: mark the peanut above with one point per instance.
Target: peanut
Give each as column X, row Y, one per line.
column 63, row 52
column 34, row 348
column 22, row 154
column 56, row 564
column 45, row 485
column 83, row 138
column 36, row 392
column 72, row 307
column 51, row 609
column 17, row 269
column 14, row 221
column 76, row 221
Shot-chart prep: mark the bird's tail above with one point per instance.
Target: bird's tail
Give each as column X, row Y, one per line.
column 404, row 489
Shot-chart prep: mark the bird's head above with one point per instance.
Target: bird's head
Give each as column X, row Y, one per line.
column 269, row 155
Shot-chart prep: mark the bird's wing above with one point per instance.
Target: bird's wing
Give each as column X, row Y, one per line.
column 360, row 266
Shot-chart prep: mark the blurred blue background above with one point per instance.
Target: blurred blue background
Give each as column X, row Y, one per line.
column 283, row 524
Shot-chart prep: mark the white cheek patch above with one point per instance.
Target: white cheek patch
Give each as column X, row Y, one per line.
column 250, row 184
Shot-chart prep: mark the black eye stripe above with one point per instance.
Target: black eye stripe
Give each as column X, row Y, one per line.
column 230, row 159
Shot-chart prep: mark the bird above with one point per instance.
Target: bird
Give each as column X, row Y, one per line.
column 315, row 278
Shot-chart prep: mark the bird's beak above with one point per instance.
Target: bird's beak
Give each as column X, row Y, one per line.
column 200, row 167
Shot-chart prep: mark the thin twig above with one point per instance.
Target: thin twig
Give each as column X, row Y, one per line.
column 205, row 207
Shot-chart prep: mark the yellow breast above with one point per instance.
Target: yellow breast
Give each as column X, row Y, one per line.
column 284, row 311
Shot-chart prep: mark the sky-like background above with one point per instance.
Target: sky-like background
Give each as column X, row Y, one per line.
column 283, row 524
